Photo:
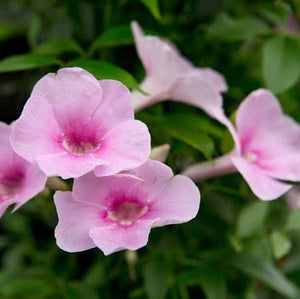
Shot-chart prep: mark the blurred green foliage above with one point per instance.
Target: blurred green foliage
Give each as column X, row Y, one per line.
column 237, row 247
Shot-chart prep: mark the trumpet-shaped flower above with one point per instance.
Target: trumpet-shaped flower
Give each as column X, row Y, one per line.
column 170, row 76
column 19, row 180
column 268, row 148
column 117, row 212
column 73, row 123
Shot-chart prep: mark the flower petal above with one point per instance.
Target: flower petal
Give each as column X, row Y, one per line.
column 74, row 222
column 160, row 58
column 124, row 147
column 115, row 106
column 115, row 237
column 34, row 183
column 195, row 89
column 261, row 184
column 36, row 132
column 177, row 202
column 258, row 115
column 73, row 93
column 67, row 165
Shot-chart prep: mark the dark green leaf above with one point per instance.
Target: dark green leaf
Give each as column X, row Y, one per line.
column 209, row 278
column 281, row 63
column 113, row 37
column 105, row 70
column 58, row 46
column 251, row 219
column 228, row 29
column 156, row 279
column 263, row 270
column 153, row 7
column 26, row 62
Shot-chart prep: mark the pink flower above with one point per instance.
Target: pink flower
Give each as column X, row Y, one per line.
column 268, row 148
column 73, row 123
column 19, row 180
column 117, row 212
column 170, row 76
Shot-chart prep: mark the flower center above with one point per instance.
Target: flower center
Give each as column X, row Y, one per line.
column 250, row 156
column 10, row 185
column 79, row 146
column 127, row 212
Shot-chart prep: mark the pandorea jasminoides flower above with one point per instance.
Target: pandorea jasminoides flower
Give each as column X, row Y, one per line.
column 19, row 180
column 117, row 212
column 170, row 76
column 269, row 143
column 73, row 123
column 267, row 150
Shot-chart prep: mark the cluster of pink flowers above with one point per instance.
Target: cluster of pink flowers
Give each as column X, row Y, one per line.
column 75, row 126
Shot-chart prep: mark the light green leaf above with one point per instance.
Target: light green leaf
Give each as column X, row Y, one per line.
column 281, row 63
column 105, row 70
column 281, row 244
column 113, row 37
column 58, row 46
column 228, row 29
column 153, row 7
column 251, row 219
column 263, row 270
column 26, row 62
column 293, row 222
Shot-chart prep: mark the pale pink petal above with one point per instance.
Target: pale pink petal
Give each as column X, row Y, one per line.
column 160, row 59
column 177, row 202
column 124, row 147
column 258, row 115
column 194, row 89
column 74, row 223
column 216, row 79
column 156, row 92
column 67, row 165
column 34, row 183
column 115, row 237
column 36, row 132
column 154, row 173
column 115, row 106
column 73, row 93
column 97, row 191
column 261, row 184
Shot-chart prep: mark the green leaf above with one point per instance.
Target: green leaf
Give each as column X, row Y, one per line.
column 209, row 278
column 113, row 37
column 156, row 279
column 228, row 29
column 105, row 70
column 281, row 244
column 190, row 129
column 58, row 46
column 293, row 222
column 153, row 7
column 251, row 219
column 26, row 62
column 281, row 63
column 263, row 270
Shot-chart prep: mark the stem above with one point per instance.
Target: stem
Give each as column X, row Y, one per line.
column 210, row 169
